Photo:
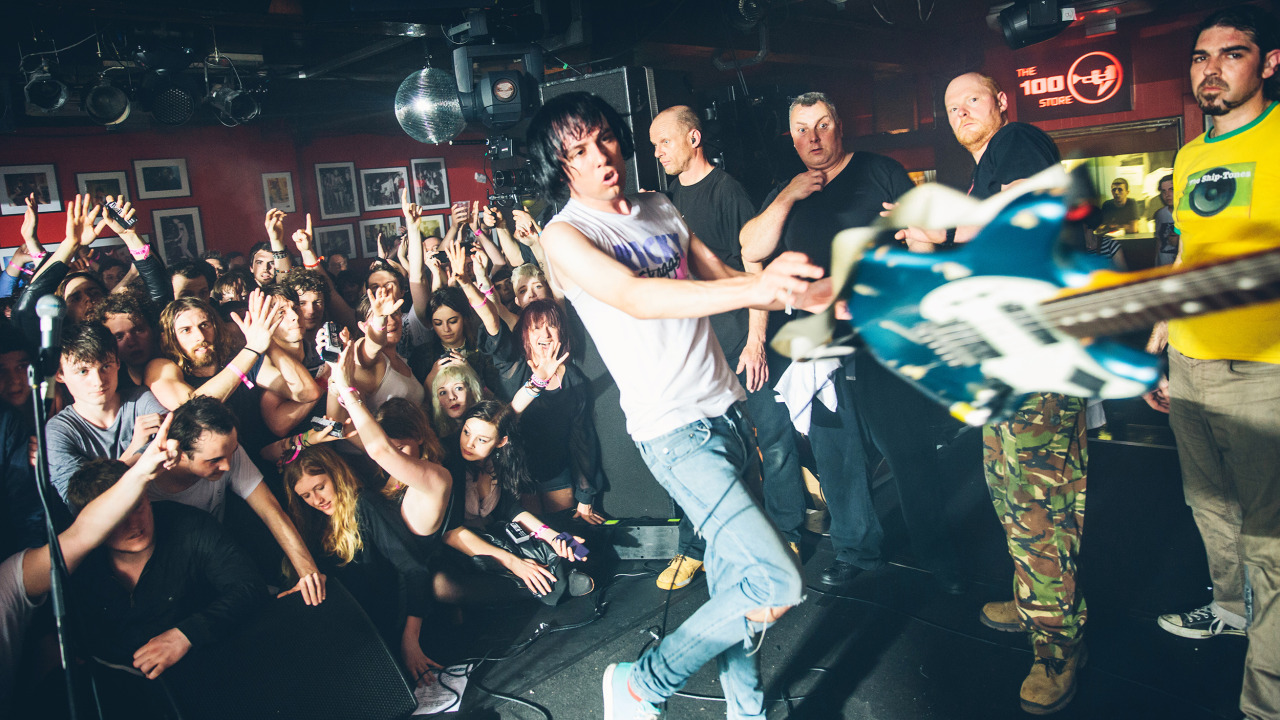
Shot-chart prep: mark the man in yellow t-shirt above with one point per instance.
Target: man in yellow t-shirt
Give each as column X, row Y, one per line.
column 1224, row 369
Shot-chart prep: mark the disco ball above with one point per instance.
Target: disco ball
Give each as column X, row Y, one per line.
column 428, row 108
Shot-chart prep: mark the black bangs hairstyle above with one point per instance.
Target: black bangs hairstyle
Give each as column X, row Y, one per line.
column 563, row 119
column 1261, row 26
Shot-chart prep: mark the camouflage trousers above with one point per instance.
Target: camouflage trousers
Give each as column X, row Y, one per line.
column 1035, row 468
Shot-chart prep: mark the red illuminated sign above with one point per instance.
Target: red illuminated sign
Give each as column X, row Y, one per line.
column 1069, row 84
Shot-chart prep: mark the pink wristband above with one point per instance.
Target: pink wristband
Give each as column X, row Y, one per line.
column 141, row 253
column 243, row 378
column 477, row 305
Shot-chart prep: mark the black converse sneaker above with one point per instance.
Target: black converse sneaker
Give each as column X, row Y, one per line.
column 1199, row 624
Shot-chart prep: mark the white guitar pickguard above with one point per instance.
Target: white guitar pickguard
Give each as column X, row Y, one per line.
column 1025, row 363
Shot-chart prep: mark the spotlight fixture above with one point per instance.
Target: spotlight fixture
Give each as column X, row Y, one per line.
column 1027, row 22
column 173, row 105
column 235, row 106
column 428, row 108
column 44, row 91
column 105, row 103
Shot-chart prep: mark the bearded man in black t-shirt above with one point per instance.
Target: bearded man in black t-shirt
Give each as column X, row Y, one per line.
column 839, row 190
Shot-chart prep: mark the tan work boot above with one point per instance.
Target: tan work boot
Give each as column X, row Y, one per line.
column 679, row 573
column 1002, row 616
column 1052, row 683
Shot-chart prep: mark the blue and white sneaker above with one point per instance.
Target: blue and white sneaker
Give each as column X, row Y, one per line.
column 619, row 702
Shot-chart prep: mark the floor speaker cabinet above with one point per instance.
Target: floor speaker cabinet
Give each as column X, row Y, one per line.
column 638, row 94
column 645, row 538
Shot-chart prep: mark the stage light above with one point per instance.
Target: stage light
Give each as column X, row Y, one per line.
column 236, row 106
column 1027, row 22
column 106, row 104
column 173, row 105
column 428, row 107
column 45, row 92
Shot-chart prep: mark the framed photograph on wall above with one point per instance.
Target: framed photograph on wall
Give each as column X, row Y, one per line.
column 277, row 191
column 162, row 178
column 98, row 185
column 19, row 181
column 336, row 239
column 430, row 184
column 178, row 234
column 388, row 227
column 336, row 186
column 382, row 186
column 433, row 225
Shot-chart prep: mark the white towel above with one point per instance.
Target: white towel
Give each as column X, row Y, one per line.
column 801, row 382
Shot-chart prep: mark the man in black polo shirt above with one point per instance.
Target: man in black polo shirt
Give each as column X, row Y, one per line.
column 839, row 190
column 1035, row 462
column 716, row 206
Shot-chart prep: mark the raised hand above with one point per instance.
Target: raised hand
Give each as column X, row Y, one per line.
column 411, row 210
column 490, row 216
column 459, row 214
column 126, row 210
column 527, row 229
column 30, row 219
column 384, row 302
column 275, row 226
column 80, row 216
column 480, row 263
column 457, row 254
column 545, row 360
column 162, row 453
column 303, row 238
column 259, row 322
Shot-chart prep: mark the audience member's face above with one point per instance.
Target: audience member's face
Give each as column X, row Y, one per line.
column 235, row 292
column 478, row 440
column 211, row 457
column 543, row 334
column 311, row 310
column 975, row 113
column 191, row 287
column 671, row 144
column 196, row 335
column 133, row 338
column 1119, row 192
column 448, row 326
column 218, row 267
column 530, row 288
column 382, row 279
column 112, row 276
column 350, row 292
column 264, row 267
column 816, row 136
column 80, row 296
column 337, row 263
column 454, row 398
column 89, row 382
column 289, row 331
column 317, row 491
column 136, row 533
column 506, row 295
column 1166, row 193
column 430, row 244
column 14, row 389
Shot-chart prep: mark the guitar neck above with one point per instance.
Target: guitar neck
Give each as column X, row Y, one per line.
column 1245, row 280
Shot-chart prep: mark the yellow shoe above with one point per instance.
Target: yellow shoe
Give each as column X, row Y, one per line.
column 795, row 548
column 1052, row 683
column 1002, row 616
column 679, row 573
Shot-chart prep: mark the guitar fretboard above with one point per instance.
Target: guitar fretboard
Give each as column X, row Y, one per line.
column 1246, row 280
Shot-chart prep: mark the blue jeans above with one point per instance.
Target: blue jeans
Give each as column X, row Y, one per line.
column 781, row 483
column 703, row 466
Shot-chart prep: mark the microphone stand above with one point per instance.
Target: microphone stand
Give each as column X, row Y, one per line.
column 57, row 564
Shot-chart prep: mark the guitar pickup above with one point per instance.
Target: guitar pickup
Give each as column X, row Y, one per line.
column 1029, row 323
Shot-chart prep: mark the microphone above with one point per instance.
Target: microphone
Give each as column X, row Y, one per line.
column 50, row 310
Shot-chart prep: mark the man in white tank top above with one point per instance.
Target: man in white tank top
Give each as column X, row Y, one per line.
column 644, row 285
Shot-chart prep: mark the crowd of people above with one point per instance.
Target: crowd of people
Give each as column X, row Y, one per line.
column 421, row 431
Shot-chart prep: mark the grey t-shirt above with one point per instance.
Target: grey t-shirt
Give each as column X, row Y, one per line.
column 74, row 440
column 15, row 612
column 211, row 495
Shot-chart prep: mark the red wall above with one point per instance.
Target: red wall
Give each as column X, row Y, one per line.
column 225, row 167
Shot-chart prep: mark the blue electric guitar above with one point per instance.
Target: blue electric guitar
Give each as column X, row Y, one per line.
column 979, row 326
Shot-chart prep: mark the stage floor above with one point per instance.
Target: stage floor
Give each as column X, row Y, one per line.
column 891, row 645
